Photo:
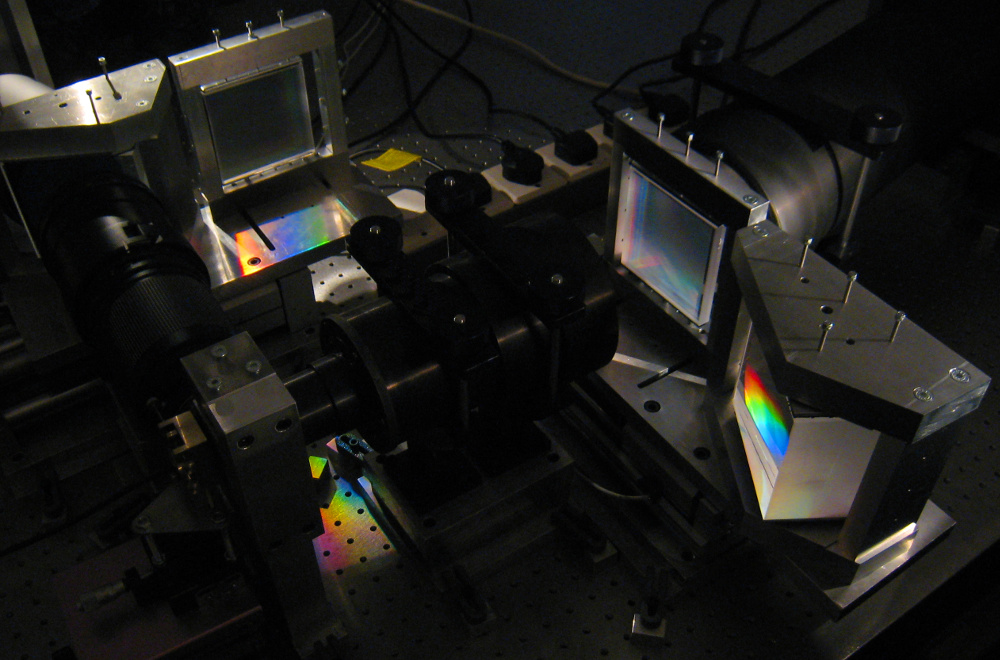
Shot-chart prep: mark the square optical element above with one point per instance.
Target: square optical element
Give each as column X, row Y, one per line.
column 804, row 465
column 260, row 121
column 668, row 245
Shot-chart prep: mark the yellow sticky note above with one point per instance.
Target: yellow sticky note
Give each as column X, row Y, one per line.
column 392, row 160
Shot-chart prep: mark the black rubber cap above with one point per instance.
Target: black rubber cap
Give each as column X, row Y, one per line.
column 876, row 125
column 452, row 191
column 521, row 165
column 576, row 148
column 702, row 48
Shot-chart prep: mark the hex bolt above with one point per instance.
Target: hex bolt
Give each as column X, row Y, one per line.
column 960, row 375
column 826, row 326
column 900, row 317
column 557, row 279
column 805, row 251
column 104, row 67
column 459, row 319
column 921, row 394
column 219, row 352
column 852, row 277
column 252, row 367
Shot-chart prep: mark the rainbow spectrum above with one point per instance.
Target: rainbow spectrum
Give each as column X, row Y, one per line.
column 766, row 414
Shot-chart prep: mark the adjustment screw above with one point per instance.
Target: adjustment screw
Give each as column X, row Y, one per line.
column 921, row 394
column 960, row 375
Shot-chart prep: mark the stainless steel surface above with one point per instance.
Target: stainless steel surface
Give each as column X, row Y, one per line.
column 800, row 182
column 788, row 305
column 726, row 179
column 254, row 426
column 194, row 71
column 71, row 122
column 931, row 526
column 728, row 202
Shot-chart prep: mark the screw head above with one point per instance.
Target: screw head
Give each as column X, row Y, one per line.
column 960, row 375
column 921, row 394
column 449, row 181
column 214, row 384
column 557, row 279
column 759, row 230
column 459, row 319
column 750, row 199
column 253, row 367
column 219, row 352
column 141, row 523
column 375, row 229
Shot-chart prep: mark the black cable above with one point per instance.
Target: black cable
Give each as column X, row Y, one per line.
column 347, row 22
column 646, row 86
column 706, row 15
column 423, row 92
column 741, row 41
column 448, row 61
column 595, row 102
column 363, row 75
column 555, row 131
column 412, row 106
column 781, row 36
column 21, row 545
